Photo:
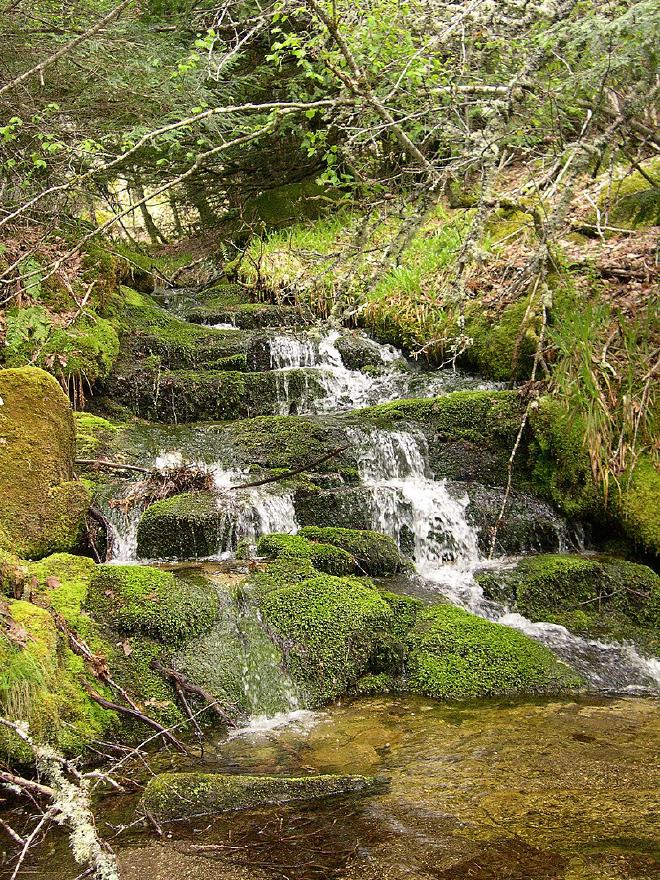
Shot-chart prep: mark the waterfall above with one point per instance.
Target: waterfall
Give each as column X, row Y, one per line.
column 406, row 502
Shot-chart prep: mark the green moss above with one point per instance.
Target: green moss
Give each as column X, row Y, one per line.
column 13, row 574
column 330, row 629
column 373, row 553
column 40, row 682
column 561, row 469
column 148, row 329
column 186, row 526
column 287, row 441
column 631, row 200
column 455, row 655
column 324, row 556
column 93, row 434
column 42, row 508
column 599, row 595
column 638, row 505
column 141, row 599
column 171, row 796
column 61, row 581
column 504, row 343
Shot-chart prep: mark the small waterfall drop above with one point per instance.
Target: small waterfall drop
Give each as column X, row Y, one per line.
column 406, row 502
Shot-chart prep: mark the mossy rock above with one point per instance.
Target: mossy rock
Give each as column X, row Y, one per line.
column 346, row 507
column 324, row 556
column 638, row 506
column 172, row 796
column 150, row 330
column 358, row 351
column 151, row 392
column 374, row 553
column 631, row 200
column 41, row 683
column 93, row 434
column 332, row 630
column 186, row 526
column 141, row 599
column 61, row 582
column 289, row 441
column 456, row 655
column 42, row 507
column 83, row 352
column 597, row 596
column 247, row 316
column 13, row 574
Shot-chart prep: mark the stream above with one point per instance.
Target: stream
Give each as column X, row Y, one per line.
column 517, row 789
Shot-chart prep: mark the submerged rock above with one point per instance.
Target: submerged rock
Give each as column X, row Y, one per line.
column 452, row 654
column 42, row 506
column 171, row 796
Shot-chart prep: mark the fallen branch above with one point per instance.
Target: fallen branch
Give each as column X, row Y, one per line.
column 136, row 715
column 116, row 465
column 190, row 687
column 292, row 473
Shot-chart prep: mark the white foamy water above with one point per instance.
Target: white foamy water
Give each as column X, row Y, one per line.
column 262, row 726
column 408, row 505
column 342, row 388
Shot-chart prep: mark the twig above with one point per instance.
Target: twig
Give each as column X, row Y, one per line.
column 292, row 473
column 135, row 714
column 116, row 465
column 179, row 679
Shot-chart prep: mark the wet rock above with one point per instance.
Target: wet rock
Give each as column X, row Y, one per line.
column 346, row 507
column 452, row 654
column 250, row 316
column 596, row 596
column 528, row 524
column 42, row 507
column 171, row 796
column 186, row 526
column 358, row 351
column 173, row 396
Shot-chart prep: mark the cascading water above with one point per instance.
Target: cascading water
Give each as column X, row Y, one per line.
column 406, row 502
column 343, row 388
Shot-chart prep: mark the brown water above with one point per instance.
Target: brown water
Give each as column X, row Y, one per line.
column 512, row 790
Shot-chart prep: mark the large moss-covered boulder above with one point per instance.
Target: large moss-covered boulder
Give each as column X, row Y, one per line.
column 171, row 796
column 596, row 596
column 141, row 599
column 324, row 557
column 332, row 630
column 374, row 553
column 42, row 507
column 638, row 506
column 186, row 526
column 452, row 654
